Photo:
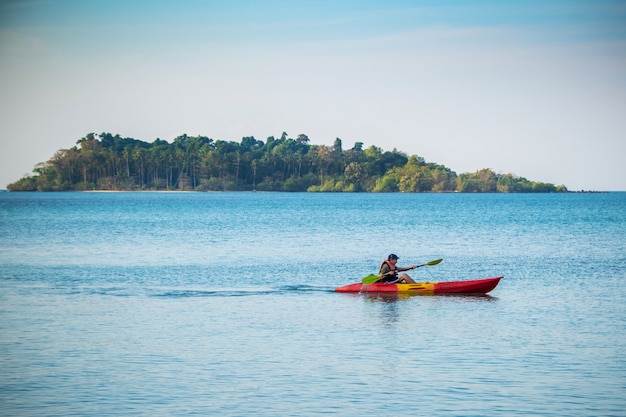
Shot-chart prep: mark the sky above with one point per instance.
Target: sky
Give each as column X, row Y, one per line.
column 535, row 88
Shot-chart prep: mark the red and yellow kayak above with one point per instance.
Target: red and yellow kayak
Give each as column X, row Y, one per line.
column 475, row 286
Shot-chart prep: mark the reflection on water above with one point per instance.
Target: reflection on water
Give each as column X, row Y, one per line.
column 393, row 297
column 390, row 307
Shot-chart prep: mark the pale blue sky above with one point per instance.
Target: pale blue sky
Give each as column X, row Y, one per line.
column 536, row 88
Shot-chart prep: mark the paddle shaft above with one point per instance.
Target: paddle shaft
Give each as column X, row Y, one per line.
column 435, row 262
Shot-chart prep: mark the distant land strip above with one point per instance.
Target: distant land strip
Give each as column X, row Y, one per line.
column 107, row 162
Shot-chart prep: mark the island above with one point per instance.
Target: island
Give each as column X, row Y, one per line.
column 107, row 162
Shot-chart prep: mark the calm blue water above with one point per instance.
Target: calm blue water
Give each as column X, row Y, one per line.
column 222, row 303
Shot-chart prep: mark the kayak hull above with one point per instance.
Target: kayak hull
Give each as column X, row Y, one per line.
column 475, row 286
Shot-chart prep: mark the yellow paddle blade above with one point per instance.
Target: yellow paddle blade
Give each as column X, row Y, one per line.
column 370, row 279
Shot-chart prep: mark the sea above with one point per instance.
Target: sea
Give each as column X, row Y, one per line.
column 207, row 304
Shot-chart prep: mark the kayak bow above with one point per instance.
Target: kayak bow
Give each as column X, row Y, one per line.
column 475, row 286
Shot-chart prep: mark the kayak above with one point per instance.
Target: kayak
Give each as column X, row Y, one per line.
column 475, row 286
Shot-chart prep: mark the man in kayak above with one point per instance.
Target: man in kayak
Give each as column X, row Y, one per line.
column 388, row 271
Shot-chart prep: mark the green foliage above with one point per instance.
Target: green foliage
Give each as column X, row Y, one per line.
column 24, row 184
column 388, row 183
column 110, row 162
column 482, row 181
column 333, row 186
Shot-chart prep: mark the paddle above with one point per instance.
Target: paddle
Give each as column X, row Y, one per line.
column 370, row 279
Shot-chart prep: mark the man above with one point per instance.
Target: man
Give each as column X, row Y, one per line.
column 388, row 271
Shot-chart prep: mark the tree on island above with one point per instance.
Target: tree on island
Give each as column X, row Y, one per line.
column 107, row 162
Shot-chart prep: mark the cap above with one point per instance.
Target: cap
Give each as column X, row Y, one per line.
column 392, row 256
